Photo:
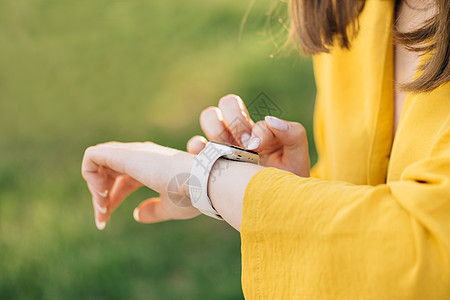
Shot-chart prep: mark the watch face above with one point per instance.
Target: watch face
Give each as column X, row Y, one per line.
column 239, row 154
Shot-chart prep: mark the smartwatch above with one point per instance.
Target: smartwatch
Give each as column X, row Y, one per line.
column 200, row 172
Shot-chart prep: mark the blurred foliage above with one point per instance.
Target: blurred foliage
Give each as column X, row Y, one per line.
column 77, row 73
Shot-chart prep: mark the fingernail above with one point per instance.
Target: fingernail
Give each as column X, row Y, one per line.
column 244, row 139
column 102, row 209
column 276, row 123
column 254, row 143
column 136, row 214
column 103, row 194
column 100, row 225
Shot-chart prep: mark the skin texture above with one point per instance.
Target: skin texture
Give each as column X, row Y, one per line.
column 284, row 148
column 114, row 170
column 409, row 17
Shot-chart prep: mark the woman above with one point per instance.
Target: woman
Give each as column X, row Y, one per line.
column 373, row 220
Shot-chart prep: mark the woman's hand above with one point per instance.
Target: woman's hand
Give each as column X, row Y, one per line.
column 114, row 170
column 280, row 144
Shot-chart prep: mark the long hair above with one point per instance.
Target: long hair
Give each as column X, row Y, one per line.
column 318, row 25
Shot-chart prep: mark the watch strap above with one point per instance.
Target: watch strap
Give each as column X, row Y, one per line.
column 200, row 173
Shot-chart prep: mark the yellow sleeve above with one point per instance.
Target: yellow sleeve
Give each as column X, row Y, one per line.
column 309, row 238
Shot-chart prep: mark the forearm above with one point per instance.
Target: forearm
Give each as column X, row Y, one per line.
column 156, row 166
column 226, row 188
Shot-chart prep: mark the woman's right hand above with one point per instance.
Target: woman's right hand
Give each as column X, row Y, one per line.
column 280, row 144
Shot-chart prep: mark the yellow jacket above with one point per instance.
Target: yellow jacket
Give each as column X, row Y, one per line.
column 373, row 221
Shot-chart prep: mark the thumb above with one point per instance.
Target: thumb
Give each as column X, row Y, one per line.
column 196, row 144
column 151, row 211
column 291, row 134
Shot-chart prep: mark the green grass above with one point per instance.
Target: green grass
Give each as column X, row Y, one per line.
column 76, row 73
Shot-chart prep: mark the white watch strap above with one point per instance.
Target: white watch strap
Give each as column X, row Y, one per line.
column 200, row 173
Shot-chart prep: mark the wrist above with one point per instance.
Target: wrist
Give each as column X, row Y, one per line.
column 181, row 165
column 233, row 167
column 226, row 188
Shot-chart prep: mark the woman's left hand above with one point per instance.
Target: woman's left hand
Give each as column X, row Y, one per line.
column 279, row 143
column 114, row 170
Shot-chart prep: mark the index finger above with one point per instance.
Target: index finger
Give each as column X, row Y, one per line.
column 94, row 172
column 213, row 125
column 236, row 118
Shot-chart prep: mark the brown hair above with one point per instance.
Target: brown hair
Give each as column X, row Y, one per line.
column 319, row 24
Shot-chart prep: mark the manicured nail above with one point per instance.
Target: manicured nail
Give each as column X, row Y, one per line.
column 276, row 123
column 244, row 139
column 254, row 143
column 136, row 214
column 102, row 209
column 100, row 225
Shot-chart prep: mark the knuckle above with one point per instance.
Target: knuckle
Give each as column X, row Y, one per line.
column 83, row 174
column 86, row 175
column 238, row 126
column 260, row 125
column 101, row 201
column 300, row 129
column 259, row 129
column 89, row 150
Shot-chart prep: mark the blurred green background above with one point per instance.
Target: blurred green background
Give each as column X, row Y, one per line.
column 77, row 73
